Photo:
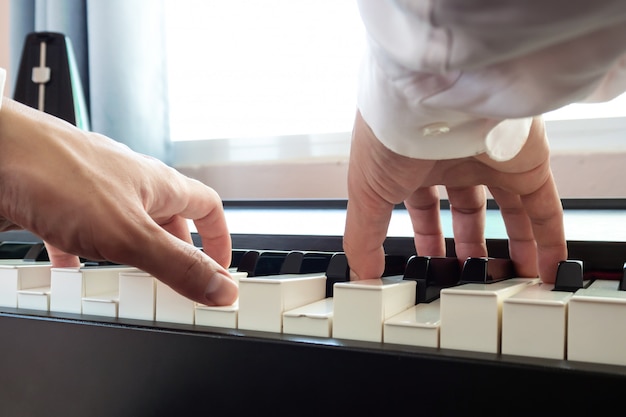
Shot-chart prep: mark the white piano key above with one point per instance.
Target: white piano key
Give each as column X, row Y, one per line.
column 471, row 314
column 68, row 286
column 315, row 319
column 103, row 304
column 15, row 262
column 534, row 322
column 34, row 298
column 604, row 284
column 417, row 326
column 596, row 331
column 361, row 307
column 217, row 316
column 263, row 300
column 19, row 275
column 220, row 316
column 137, row 295
column 173, row 307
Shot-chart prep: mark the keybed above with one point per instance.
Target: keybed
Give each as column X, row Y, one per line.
column 309, row 293
column 127, row 365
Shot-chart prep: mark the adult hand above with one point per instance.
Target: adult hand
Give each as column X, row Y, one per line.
column 89, row 196
column 523, row 187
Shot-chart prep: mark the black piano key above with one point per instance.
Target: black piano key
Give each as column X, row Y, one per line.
column 37, row 253
column 302, row 262
column 569, row 276
column 247, row 262
column 622, row 281
column 235, row 259
column 394, row 265
column 292, row 263
column 486, row 270
column 338, row 271
column 269, row 263
column 96, row 264
column 417, row 269
column 432, row 274
column 15, row 250
column 315, row 262
column 261, row 263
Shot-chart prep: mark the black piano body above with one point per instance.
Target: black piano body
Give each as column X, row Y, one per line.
column 55, row 364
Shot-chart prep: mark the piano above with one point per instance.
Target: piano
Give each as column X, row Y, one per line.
column 69, row 364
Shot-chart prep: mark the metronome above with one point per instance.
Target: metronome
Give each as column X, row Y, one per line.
column 48, row 78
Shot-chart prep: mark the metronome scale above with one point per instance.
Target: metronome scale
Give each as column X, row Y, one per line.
column 48, row 78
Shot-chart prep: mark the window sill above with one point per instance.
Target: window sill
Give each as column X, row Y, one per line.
column 587, row 158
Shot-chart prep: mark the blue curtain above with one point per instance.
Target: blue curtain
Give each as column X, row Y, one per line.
column 120, row 53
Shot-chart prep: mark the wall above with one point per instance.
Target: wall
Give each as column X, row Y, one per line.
column 578, row 175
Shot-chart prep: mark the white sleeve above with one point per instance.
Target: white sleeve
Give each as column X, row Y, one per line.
column 454, row 78
column 3, row 76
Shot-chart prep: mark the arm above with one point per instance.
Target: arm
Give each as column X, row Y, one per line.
column 450, row 94
column 87, row 195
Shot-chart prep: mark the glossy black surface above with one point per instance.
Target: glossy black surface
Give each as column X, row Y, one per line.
column 56, row 364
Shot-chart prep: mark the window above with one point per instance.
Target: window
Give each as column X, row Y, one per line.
column 250, row 68
column 257, row 81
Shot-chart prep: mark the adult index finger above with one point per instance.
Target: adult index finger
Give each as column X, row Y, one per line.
column 545, row 212
column 378, row 179
column 179, row 264
column 204, row 207
column 368, row 213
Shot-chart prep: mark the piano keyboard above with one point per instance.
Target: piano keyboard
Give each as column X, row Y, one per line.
column 484, row 311
column 507, row 335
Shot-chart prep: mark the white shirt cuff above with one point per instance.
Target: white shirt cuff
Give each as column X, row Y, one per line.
column 436, row 85
column 392, row 104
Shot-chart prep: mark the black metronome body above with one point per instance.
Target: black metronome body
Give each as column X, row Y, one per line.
column 48, row 78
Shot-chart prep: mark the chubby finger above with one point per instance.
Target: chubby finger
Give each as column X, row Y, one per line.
column 522, row 245
column 424, row 211
column 468, row 207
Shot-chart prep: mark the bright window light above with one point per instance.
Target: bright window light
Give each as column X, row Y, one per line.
column 609, row 109
column 262, row 68
column 277, row 68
